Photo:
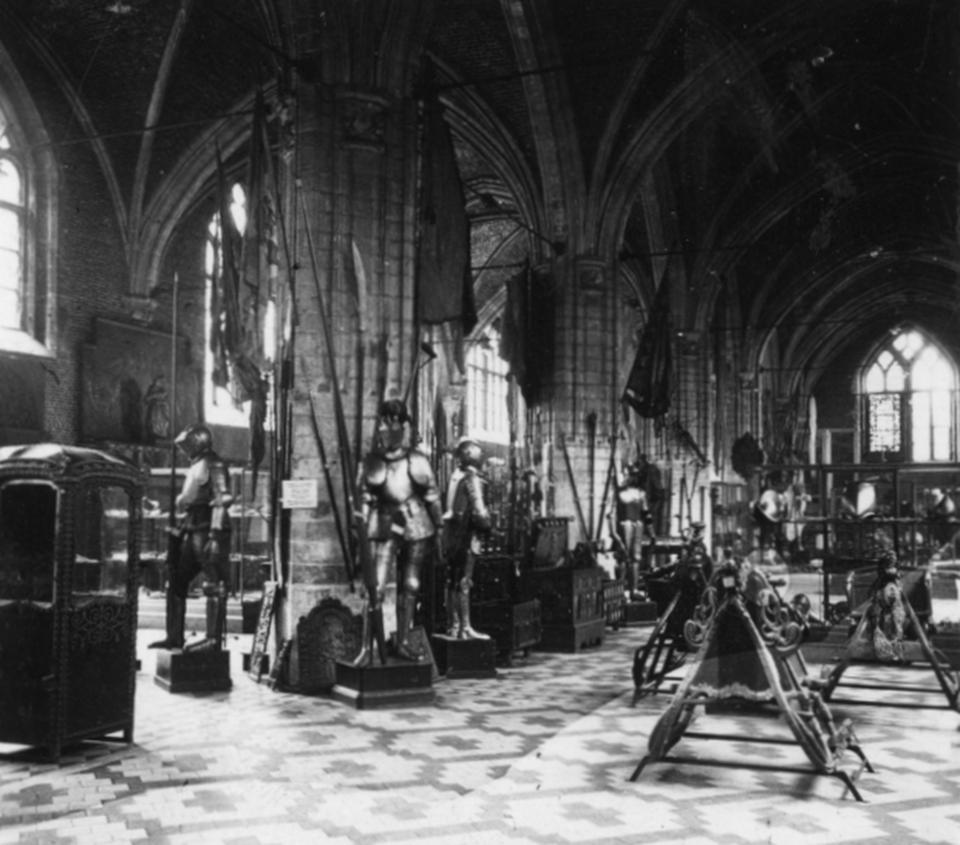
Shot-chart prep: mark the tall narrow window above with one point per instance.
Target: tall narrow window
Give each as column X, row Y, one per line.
column 12, row 234
column 909, row 388
column 27, row 241
column 488, row 415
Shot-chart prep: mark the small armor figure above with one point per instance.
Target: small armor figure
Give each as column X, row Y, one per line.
column 634, row 524
column 467, row 520
column 201, row 541
column 399, row 523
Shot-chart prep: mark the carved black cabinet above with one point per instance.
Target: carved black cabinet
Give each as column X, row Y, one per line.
column 70, row 521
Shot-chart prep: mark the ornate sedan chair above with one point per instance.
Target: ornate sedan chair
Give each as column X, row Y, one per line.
column 892, row 612
column 747, row 650
column 69, row 552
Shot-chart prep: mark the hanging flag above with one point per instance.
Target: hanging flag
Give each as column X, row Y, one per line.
column 444, row 281
column 513, row 328
column 225, row 296
column 260, row 269
column 650, row 380
column 243, row 283
column 526, row 330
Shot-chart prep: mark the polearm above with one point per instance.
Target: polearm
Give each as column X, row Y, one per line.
column 611, row 469
column 172, row 393
column 343, row 441
column 342, row 536
column 343, row 436
column 171, row 627
column 573, row 486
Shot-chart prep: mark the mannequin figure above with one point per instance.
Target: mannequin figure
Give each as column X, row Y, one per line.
column 466, row 521
column 401, row 516
column 633, row 526
column 201, row 541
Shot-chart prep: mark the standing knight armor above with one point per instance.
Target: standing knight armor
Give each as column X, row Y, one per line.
column 201, row 541
column 633, row 526
column 467, row 520
column 400, row 517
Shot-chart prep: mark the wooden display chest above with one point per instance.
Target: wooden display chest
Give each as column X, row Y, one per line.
column 496, row 577
column 572, row 609
column 614, row 603
column 513, row 626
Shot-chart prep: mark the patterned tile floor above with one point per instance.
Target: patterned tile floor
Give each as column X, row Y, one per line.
column 540, row 754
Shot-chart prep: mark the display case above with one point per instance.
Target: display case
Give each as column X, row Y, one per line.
column 70, row 522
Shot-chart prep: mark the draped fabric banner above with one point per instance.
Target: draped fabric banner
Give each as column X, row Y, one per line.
column 225, row 295
column 243, row 276
column 526, row 331
column 651, row 378
column 445, row 283
column 260, row 261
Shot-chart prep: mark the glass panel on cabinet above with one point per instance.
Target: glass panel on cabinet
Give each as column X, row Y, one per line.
column 28, row 513
column 102, row 542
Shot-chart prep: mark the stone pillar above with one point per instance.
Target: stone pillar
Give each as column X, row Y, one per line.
column 583, row 390
column 352, row 236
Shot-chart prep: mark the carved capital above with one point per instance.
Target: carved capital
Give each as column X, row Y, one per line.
column 591, row 274
column 362, row 120
column 141, row 309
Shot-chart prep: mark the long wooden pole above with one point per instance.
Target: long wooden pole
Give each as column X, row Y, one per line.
column 172, row 393
column 573, row 487
column 347, row 467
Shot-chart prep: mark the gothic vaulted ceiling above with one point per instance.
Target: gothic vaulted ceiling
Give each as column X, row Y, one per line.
column 790, row 164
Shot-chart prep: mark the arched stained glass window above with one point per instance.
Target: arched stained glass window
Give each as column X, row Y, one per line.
column 909, row 388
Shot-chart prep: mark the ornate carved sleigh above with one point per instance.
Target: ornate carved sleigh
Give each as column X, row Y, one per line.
column 747, row 650
column 677, row 592
column 893, row 612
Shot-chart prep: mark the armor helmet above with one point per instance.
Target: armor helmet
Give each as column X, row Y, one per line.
column 195, row 441
column 888, row 565
column 394, row 409
column 469, row 453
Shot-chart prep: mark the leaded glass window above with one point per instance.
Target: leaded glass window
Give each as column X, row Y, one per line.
column 910, row 387
column 488, row 415
column 12, row 233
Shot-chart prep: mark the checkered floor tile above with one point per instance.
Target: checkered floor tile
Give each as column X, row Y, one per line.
column 542, row 753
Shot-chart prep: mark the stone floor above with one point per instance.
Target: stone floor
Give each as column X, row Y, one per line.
column 540, row 754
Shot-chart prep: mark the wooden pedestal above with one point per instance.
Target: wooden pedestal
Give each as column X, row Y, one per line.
column 193, row 671
column 396, row 684
column 465, row 658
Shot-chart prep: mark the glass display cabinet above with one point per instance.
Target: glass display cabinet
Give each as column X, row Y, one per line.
column 70, row 521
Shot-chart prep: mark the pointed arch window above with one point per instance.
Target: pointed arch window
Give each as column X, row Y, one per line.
column 488, row 410
column 909, row 395
column 27, row 185
column 12, row 235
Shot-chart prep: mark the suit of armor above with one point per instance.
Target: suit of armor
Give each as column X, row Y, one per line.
column 633, row 528
column 466, row 521
column 201, row 541
column 401, row 515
